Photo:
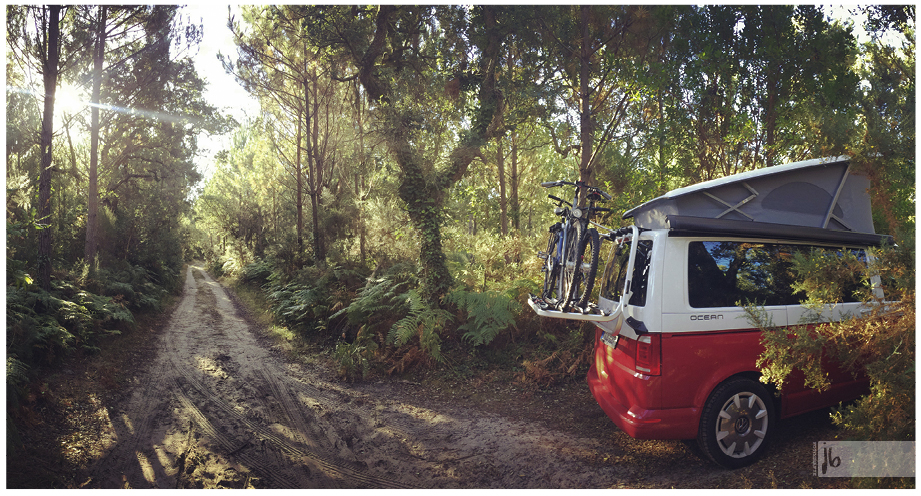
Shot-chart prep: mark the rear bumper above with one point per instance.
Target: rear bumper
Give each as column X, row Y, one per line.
column 640, row 423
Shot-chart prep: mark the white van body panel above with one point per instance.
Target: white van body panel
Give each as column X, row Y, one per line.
column 677, row 313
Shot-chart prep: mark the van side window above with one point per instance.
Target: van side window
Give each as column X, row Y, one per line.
column 727, row 273
column 613, row 285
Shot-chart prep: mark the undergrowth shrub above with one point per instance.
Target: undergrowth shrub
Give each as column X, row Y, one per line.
column 488, row 314
column 215, row 267
column 303, row 305
column 304, row 299
column 354, row 358
column 373, row 311
column 382, row 300
column 880, row 343
column 561, row 356
column 257, row 272
column 423, row 322
column 490, row 261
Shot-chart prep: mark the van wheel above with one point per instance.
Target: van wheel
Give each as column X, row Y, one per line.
column 736, row 423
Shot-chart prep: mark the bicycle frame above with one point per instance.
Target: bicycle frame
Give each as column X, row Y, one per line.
column 557, row 259
column 569, row 217
column 618, row 310
column 568, row 228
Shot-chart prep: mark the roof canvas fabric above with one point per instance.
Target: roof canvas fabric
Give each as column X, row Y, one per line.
column 822, row 193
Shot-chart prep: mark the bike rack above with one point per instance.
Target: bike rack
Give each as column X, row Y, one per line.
column 595, row 314
column 593, row 317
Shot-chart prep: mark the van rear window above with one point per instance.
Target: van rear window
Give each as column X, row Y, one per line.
column 615, row 276
column 730, row 273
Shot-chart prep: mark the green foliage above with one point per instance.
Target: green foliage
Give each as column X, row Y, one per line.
column 423, row 322
column 257, row 272
column 299, row 304
column 488, row 314
column 43, row 326
column 490, row 261
column 827, row 277
column 17, row 377
column 880, row 343
column 79, row 311
column 786, row 349
column 383, row 298
column 304, row 299
column 354, row 358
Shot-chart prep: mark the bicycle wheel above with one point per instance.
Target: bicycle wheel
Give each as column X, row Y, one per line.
column 569, row 267
column 551, row 267
column 589, row 268
column 586, row 267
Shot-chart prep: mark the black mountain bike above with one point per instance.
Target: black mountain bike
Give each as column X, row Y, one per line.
column 571, row 259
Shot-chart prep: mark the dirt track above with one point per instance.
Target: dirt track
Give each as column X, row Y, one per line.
column 217, row 408
column 216, row 404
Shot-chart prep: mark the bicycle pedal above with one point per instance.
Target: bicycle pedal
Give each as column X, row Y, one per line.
column 540, row 302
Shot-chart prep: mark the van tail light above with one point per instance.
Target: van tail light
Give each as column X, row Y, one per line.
column 648, row 354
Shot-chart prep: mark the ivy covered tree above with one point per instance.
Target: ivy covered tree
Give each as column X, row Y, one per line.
column 403, row 56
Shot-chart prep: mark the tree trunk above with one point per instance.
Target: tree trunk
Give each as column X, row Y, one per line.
column 319, row 167
column 359, row 184
column 50, row 76
column 92, row 202
column 424, row 193
column 585, row 165
column 515, row 208
column 299, row 202
column 503, row 203
column 770, row 119
column 662, row 186
column 313, row 180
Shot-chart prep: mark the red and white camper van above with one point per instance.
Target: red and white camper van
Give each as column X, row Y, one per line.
column 675, row 354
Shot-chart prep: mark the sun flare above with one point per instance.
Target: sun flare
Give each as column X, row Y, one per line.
column 70, row 99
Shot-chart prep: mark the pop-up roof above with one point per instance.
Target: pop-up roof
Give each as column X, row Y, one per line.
column 824, row 193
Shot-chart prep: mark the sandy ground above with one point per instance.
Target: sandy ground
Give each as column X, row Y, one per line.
column 216, row 407
column 204, row 399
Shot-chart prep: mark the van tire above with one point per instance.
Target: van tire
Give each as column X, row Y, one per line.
column 737, row 423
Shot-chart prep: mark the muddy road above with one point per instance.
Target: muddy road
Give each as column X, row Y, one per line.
column 218, row 405
column 218, row 408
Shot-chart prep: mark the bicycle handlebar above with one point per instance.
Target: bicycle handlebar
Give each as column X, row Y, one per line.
column 553, row 184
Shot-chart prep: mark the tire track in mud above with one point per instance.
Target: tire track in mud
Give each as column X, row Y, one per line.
column 216, row 408
column 213, row 411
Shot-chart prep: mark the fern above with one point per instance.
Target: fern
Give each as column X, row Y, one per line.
column 423, row 321
column 353, row 357
column 257, row 272
column 104, row 308
column 383, row 296
column 488, row 314
column 17, row 376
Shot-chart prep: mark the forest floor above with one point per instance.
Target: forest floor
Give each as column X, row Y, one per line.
column 206, row 399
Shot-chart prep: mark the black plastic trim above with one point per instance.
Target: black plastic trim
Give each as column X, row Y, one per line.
column 685, row 226
column 637, row 325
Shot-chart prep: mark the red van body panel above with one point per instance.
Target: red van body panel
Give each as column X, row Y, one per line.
column 668, row 406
